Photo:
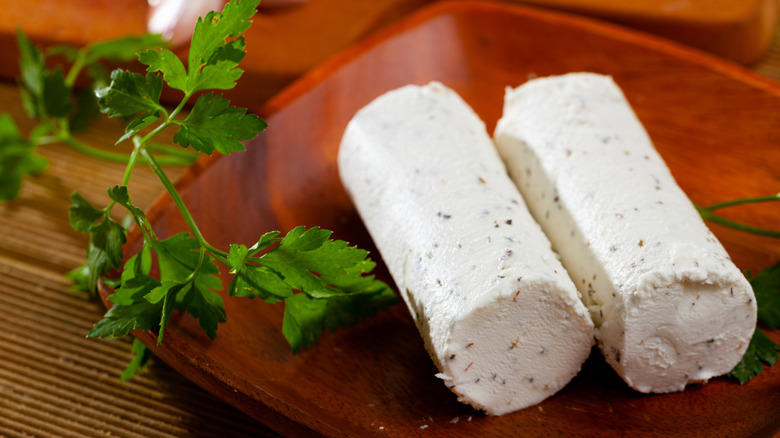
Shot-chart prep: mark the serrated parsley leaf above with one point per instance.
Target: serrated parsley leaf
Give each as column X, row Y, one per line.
column 214, row 124
column 330, row 273
column 309, row 261
column 82, row 214
column 761, row 349
column 212, row 30
column 251, row 280
column 130, row 93
column 106, row 237
column 131, row 310
column 221, row 71
column 167, row 63
column 208, row 307
column 766, row 286
column 17, row 159
column 106, row 243
column 192, row 276
column 141, row 357
column 305, row 318
column 121, row 196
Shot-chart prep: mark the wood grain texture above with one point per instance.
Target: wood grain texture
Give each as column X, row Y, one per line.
column 53, row 381
column 714, row 123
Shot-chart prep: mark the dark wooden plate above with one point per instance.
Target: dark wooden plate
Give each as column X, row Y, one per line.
column 716, row 125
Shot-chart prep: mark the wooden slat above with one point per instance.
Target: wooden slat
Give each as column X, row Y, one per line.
column 54, row 382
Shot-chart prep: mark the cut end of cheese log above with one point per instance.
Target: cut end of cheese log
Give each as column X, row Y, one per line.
column 516, row 351
column 670, row 307
column 497, row 312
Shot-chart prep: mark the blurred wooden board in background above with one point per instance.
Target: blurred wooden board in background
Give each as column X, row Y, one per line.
column 287, row 41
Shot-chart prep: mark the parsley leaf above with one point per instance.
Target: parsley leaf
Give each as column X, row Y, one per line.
column 17, row 159
column 189, row 272
column 106, row 237
column 44, row 92
column 766, row 286
column 305, row 318
column 168, row 64
column 761, row 349
column 131, row 310
column 310, row 261
column 214, row 124
column 331, row 274
column 220, row 72
column 212, row 30
column 130, row 93
column 32, row 67
column 82, row 214
column 141, row 357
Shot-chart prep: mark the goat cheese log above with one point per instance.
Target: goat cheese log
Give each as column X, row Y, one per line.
column 670, row 308
column 498, row 314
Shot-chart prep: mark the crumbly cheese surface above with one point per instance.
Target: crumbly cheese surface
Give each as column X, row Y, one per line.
column 670, row 307
column 497, row 312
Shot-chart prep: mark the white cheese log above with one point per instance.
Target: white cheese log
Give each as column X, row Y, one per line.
column 498, row 314
column 670, row 307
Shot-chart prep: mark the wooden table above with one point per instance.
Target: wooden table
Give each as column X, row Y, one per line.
column 54, row 381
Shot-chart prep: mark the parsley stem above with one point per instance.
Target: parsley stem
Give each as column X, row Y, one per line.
column 169, row 117
column 131, row 162
column 117, row 157
column 128, row 171
column 706, row 214
column 740, row 201
column 217, row 253
column 75, row 69
column 173, row 151
column 174, row 195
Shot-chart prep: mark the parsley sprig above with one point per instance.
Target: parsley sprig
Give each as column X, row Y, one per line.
column 323, row 283
column 766, row 287
column 762, row 350
column 47, row 97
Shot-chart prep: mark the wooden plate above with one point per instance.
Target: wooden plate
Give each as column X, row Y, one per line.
column 715, row 124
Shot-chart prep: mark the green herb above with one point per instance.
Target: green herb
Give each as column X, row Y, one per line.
column 707, row 214
column 760, row 350
column 323, row 283
column 141, row 357
column 47, row 96
column 766, row 286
